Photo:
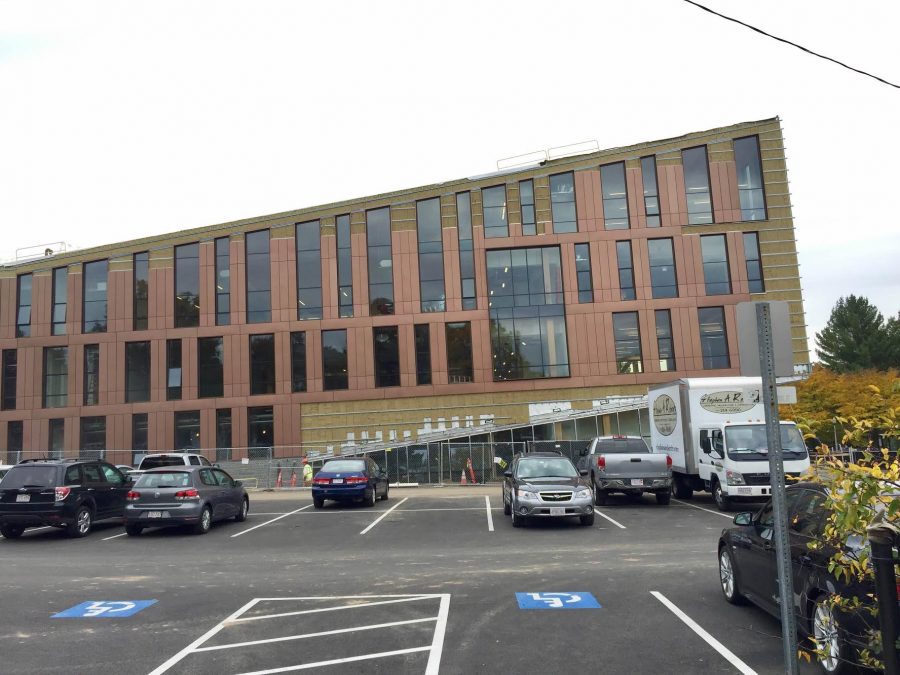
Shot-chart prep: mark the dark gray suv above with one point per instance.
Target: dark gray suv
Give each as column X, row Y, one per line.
column 546, row 485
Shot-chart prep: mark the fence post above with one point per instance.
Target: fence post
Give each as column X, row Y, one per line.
column 882, row 537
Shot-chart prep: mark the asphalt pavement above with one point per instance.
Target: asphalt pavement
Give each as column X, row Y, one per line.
column 425, row 582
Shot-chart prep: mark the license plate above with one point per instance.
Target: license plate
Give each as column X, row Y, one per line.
column 154, row 514
column 637, row 481
column 744, row 491
column 557, row 511
column 23, row 498
column 337, row 481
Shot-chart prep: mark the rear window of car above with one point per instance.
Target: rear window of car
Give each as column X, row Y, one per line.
column 345, row 465
column 30, row 476
column 631, row 446
column 163, row 479
column 156, row 462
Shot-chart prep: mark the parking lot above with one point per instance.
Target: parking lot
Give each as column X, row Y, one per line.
column 425, row 582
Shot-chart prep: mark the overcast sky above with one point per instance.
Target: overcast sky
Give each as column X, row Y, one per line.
column 125, row 119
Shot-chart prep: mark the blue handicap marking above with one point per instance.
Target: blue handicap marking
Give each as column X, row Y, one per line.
column 104, row 609
column 576, row 600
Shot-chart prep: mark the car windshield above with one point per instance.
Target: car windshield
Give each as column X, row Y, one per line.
column 631, row 446
column 29, row 475
column 748, row 441
column 345, row 465
column 164, row 479
column 156, row 462
column 546, row 467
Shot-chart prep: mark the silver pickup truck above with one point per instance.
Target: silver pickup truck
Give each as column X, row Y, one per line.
column 625, row 464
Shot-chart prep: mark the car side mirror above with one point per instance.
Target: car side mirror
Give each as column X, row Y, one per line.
column 237, row 483
column 508, row 474
column 584, row 472
column 744, row 518
column 584, row 451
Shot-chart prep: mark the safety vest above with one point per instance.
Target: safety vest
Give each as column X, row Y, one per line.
column 307, row 472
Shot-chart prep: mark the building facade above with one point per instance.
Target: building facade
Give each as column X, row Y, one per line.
column 464, row 304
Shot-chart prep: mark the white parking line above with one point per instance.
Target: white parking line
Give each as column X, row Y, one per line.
column 694, row 506
column 487, row 508
column 384, row 515
column 709, row 639
column 333, row 662
column 437, row 643
column 614, row 522
column 283, row 515
column 318, row 610
column 115, row 536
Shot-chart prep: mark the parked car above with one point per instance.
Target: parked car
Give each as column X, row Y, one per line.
column 125, row 468
column 185, row 495
column 159, row 459
column 748, row 571
column 70, row 494
column 625, row 464
column 546, row 485
column 346, row 480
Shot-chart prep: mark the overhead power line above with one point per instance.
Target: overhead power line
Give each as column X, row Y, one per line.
column 793, row 44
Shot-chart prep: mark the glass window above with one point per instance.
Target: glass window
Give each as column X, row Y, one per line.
column 210, row 367
column 526, row 201
column 459, row 352
column 187, row 430
column 56, row 377
column 91, row 374
column 8, row 384
column 626, row 270
column 94, row 293
column 309, row 270
column 664, row 343
column 713, row 338
column 583, row 272
column 173, row 370
column 259, row 277
column 223, row 281
column 137, row 372
column 662, row 268
column 615, row 196
column 187, row 285
column 754, row 263
column 627, row 334
column 344, row 267
column 14, row 441
column 387, row 356
column 334, row 359
column 260, row 427
column 466, row 249
column 262, row 364
column 381, row 270
column 92, row 433
column 715, row 264
column 423, row 353
column 23, row 308
column 56, row 433
column 696, row 185
column 139, row 424
column 58, row 309
column 140, row 290
column 223, row 434
column 298, row 362
column 494, row 210
column 431, row 255
column 562, row 203
column 749, row 178
column 651, row 190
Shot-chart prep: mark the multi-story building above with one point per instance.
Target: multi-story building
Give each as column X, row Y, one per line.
column 464, row 302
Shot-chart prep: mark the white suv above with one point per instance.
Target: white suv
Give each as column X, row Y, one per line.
column 172, row 459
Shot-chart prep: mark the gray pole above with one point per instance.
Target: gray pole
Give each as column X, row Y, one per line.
column 881, row 538
column 776, row 475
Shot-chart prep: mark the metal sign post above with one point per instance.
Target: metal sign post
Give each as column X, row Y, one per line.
column 776, row 475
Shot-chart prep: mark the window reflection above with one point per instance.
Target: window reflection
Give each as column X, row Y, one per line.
column 562, row 202
column 749, row 178
column 715, row 264
column 431, row 255
column 754, row 262
column 664, row 343
column 387, row 356
column 187, row 285
column 94, row 294
column 615, row 196
column 662, row 268
column 309, row 270
column 696, row 185
column 713, row 338
column 493, row 204
column 627, row 335
column 381, row 270
column 651, row 191
column 334, row 359
column 626, row 270
column 526, row 202
column 259, row 277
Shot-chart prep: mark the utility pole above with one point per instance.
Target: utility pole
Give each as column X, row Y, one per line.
column 776, row 475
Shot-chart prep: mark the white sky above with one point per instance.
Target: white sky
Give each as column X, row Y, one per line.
column 124, row 119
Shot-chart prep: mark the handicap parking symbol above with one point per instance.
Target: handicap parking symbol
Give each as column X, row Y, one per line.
column 104, row 609
column 577, row 600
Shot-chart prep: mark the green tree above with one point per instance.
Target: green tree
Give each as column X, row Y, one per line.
column 854, row 337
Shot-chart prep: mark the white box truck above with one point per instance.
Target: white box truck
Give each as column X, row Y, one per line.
column 714, row 429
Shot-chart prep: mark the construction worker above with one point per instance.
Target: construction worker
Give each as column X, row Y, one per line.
column 307, row 473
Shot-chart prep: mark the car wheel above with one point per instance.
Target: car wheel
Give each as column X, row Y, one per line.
column 245, row 509
column 587, row 520
column 728, row 579
column 517, row 520
column 133, row 530
column 601, row 497
column 370, row 500
column 663, row 498
column 681, row 489
column 205, row 522
column 318, row 502
column 385, row 495
column 11, row 531
column 723, row 502
column 82, row 524
column 827, row 636
column 506, row 509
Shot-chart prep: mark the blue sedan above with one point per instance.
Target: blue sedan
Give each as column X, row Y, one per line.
column 347, row 480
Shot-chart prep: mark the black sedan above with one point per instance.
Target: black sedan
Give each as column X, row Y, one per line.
column 748, row 571
column 195, row 496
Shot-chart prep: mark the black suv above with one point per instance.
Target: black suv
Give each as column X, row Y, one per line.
column 68, row 494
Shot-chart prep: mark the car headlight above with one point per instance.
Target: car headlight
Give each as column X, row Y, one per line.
column 733, row 478
column 583, row 494
column 527, row 495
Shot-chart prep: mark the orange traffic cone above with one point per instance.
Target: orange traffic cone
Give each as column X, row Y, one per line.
column 278, row 478
column 462, row 477
column 293, row 478
column 471, row 470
